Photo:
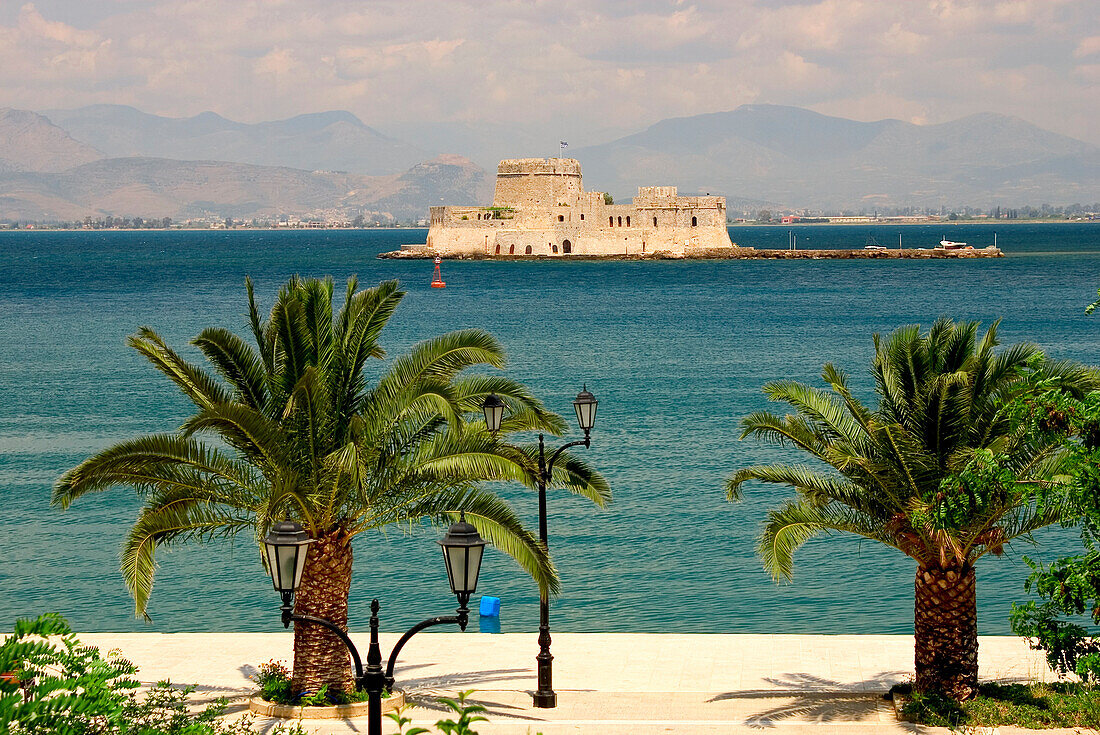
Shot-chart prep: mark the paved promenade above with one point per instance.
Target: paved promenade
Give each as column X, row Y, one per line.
column 612, row 684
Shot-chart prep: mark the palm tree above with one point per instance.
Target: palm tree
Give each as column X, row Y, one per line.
column 302, row 434
column 941, row 408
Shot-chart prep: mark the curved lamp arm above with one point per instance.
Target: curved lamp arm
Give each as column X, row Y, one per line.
column 586, row 442
column 461, row 619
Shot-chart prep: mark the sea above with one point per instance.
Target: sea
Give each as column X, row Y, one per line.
column 675, row 351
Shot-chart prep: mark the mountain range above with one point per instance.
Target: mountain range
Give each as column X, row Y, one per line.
column 117, row 160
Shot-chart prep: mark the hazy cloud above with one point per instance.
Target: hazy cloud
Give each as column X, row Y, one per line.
column 561, row 68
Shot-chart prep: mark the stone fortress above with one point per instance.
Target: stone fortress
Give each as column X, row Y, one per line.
column 541, row 209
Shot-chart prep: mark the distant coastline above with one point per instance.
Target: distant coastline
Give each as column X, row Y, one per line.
column 777, row 225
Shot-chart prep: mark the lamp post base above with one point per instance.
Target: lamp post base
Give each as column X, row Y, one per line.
column 546, row 700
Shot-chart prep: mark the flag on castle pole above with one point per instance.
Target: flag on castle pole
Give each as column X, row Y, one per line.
column 564, row 145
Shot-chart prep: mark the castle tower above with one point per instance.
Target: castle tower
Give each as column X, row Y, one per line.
column 537, row 182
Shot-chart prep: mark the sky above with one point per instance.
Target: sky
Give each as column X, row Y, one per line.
column 582, row 71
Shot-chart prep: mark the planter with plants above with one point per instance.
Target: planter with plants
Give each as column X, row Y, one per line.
column 277, row 698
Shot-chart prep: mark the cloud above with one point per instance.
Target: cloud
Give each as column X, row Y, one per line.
column 588, row 66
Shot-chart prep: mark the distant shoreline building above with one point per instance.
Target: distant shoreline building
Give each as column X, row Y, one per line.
column 540, row 208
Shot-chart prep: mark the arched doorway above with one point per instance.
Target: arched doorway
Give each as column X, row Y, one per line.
column 566, row 247
column 528, row 250
column 498, row 249
column 554, row 249
column 511, row 249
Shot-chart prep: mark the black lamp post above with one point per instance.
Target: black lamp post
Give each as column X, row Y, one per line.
column 585, row 406
column 462, row 553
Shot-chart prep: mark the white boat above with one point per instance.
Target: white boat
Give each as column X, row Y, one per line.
column 951, row 244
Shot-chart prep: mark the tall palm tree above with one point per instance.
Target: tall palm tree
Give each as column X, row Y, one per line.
column 941, row 405
column 303, row 434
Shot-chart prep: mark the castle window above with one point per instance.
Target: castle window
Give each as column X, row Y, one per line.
column 528, row 249
column 566, row 247
column 554, row 248
column 694, row 222
column 628, row 222
column 561, row 218
column 654, row 221
column 582, row 217
column 620, row 221
column 610, row 221
column 511, row 249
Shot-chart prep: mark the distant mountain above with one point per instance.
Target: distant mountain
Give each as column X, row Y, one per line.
column 30, row 142
column 110, row 159
column 157, row 187
column 329, row 141
column 799, row 158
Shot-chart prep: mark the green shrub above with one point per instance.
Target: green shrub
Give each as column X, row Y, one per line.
column 468, row 713
column 273, row 678
column 72, row 690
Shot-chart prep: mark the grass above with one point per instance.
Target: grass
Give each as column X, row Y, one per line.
column 1062, row 704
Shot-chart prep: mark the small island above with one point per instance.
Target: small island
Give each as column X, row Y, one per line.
column 540, row 210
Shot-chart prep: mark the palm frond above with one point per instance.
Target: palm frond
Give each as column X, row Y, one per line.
column 237, row 363
column 795, row 523
column 193, row 381
column 175, row 519
column 148, row 463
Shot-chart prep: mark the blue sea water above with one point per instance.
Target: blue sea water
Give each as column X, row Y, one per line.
column 675, row 351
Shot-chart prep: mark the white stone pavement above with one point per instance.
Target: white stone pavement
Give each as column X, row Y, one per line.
column 613, row 683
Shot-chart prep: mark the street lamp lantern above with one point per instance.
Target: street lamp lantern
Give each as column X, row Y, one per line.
column 286, row 545
column 585, row 405
column 494, row 412
column 462, row 551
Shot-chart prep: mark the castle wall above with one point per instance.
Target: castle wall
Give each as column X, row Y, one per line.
column 540, row 208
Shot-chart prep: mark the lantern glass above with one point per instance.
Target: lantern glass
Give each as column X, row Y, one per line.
column 494, row 412
column 463, row 566
column 585, row 406
column 463, row 549
column 286, row 555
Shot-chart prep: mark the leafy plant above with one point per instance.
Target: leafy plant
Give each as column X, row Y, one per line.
column 273, row 678
column 319, row 698
column 69, row 688
column 402, row 721
column 468, row 713
column 1070, row 586
column 73, row 690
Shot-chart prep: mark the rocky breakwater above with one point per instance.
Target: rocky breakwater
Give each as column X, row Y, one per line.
column 911, row 253
column 735, row 253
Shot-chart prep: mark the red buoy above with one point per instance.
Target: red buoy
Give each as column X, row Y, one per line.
column 437, row 277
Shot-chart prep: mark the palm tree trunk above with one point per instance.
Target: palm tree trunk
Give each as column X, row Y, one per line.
column 319, row 656
column 945, row 622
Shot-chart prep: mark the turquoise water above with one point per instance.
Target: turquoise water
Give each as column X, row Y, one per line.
column 675, row 351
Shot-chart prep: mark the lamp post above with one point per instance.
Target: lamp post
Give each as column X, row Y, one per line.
column 462, row 552
column 585, row 407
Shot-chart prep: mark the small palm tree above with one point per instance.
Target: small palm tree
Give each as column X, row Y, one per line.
column 304, row 435
column 941, row 408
